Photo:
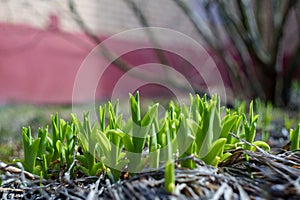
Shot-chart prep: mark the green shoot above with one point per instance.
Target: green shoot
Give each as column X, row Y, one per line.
column 295, row 138
column 200, row 129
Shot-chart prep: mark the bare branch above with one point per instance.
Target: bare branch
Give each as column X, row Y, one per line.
column 297, row 15
column 117, row 61
column 15, row 170
column 295, row 61
column 200, row 26
column 214, row 44
column 236, row 37
column 255, row 43
column 144, row 23
column 212, row 20
column 279, row 22
column 259, row 16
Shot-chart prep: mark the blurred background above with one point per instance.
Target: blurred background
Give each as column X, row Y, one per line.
column 255, row 45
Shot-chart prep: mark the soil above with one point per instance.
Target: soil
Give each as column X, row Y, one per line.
column 247, row 175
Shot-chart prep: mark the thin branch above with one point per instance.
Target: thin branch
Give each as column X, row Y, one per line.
column 274, row 15
column 254, row 43
column 120, row 63
column 297, row 15
column 242, row 32
column 144, row 23
column 15, row 170
column 239, row 43
column 208, row 37
column 258, row 16
column 236, row 37
column 200, row 26
column 294, row 62
column 117, row 61
column 212, row 20
column 279, row 23
column 11, row 190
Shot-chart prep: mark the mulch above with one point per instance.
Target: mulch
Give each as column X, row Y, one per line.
column 247, row 175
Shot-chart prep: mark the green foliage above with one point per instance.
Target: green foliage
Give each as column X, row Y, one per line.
column 88, row 137
column 31, row 149
column 210, row 131
column 265, row 111
column 170, row 176
column 295, row 138
column 200, row 129
column 49, row 152
column 250, row 126
column 291, row 121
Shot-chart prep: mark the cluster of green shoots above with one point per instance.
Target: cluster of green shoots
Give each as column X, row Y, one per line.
column 143, row 141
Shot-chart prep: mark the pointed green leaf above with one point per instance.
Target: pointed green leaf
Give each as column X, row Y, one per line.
column 216, row 151
column 228, row 123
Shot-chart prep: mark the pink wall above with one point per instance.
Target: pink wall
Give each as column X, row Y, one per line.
column 40, row 66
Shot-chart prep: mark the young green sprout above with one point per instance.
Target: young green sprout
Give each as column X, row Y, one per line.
column 170, row 167
column 295, row 138
column 140, row 129
column 200, row 129
column 31, row 149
